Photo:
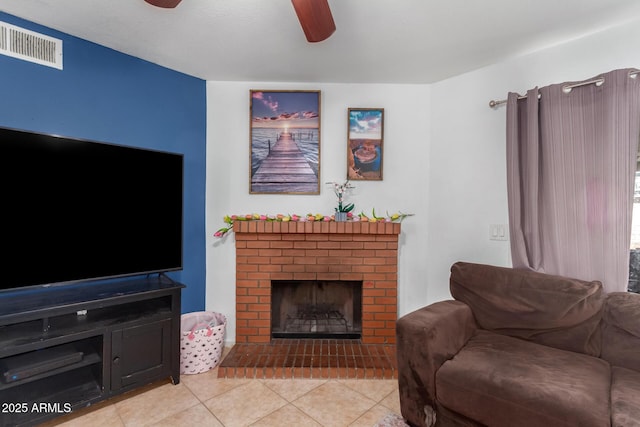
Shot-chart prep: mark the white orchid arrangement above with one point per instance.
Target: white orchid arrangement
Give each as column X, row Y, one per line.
column 340, row 189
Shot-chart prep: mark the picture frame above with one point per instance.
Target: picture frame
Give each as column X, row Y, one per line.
column 365, row 144
column 284, row 142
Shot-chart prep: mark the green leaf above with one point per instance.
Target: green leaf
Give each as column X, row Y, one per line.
column 348, row 208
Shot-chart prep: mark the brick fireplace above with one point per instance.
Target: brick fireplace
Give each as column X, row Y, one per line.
column 316, row 251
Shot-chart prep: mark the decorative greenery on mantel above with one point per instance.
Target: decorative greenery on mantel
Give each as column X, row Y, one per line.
column 361, row 217
column 341, row 209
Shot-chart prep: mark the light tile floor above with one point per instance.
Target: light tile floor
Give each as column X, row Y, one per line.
column 206, row 400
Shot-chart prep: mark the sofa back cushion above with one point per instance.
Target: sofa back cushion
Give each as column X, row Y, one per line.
column 621, row 330
column 551, row 310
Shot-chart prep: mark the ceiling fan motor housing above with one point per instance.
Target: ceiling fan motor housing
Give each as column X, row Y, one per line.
column 167, row 4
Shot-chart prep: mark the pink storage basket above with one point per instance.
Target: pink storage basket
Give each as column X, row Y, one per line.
column 201, row 341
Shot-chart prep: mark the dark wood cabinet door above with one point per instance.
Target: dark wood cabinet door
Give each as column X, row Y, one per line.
column 140, row 354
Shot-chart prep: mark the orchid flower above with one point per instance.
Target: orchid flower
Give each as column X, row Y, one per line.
column 340, row 189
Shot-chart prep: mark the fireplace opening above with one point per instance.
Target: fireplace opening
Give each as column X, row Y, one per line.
column 316, row 309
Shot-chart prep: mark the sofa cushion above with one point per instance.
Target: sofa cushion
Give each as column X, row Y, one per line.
column 621, row 330
column 499, row 380
column 625, row 397
column 551, row 310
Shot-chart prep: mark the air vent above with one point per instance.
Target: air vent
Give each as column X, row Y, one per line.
column 30, row 46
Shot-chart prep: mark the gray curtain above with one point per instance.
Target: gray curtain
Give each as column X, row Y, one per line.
column 571, row 161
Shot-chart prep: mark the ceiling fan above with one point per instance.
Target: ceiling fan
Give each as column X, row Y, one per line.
column 314, row 16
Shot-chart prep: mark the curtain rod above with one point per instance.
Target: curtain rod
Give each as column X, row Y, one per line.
column 566, row 88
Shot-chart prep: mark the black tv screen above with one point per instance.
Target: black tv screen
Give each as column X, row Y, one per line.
column 75, row 210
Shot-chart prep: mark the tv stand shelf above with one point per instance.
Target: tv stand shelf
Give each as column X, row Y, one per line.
column 66, row 347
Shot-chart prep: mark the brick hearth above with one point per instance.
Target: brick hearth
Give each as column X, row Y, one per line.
column 310, row 358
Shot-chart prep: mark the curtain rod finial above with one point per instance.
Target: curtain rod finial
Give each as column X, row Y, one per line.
column 493, row 103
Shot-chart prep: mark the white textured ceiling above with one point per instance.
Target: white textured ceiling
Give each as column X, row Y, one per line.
column 376, row 41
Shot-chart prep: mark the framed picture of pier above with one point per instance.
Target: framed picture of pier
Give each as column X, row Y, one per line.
column 365, row 150
column 284, row 142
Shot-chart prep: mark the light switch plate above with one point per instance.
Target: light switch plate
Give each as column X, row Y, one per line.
column 499, row 232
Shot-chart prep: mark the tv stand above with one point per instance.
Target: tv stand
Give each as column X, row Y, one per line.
column 67, row 347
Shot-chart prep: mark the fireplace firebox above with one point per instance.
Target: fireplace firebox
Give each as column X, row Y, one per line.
column 316, row 309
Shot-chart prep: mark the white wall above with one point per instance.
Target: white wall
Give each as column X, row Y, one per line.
column 404, row 188
column 467, row 169
column 444, row 161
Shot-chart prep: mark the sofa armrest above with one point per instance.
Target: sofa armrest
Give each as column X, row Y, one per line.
column 621, row 330
column 426, row 338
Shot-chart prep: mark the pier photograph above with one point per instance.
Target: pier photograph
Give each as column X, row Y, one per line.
column 285, row 142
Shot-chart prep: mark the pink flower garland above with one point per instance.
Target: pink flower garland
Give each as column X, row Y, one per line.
column 230, row 219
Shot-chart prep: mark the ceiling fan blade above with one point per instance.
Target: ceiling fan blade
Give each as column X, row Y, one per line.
column 167, row 4
column 315, row 18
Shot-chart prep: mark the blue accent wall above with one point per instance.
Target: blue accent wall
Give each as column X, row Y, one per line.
column 107, row 96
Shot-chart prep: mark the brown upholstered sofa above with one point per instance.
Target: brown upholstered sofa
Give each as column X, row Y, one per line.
column 517, row 348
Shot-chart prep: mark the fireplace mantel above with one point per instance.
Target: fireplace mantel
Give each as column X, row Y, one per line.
column 272, row 250
column 317, row 227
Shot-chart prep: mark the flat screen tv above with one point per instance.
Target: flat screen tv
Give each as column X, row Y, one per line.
column 75, row 210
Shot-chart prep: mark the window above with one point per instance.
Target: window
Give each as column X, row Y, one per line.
column 634, row 258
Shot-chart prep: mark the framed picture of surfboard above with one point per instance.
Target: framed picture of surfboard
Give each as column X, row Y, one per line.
column 284, row 142
column 365, row 149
